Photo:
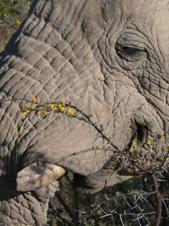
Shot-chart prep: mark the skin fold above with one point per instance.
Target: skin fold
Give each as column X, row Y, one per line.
column 109, row 60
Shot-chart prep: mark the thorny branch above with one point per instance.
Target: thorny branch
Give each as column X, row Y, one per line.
column 134, row 208
column 159, row 201
column 160, row 198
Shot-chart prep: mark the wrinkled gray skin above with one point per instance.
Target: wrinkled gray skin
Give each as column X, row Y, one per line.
column 110, row 59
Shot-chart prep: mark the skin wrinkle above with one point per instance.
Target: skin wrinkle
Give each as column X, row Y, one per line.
column 32, row 24
column 25, row 125
column 107, row 38
column 22, row 217
column 87, row 53
column 59, row 21
column 17, row 142
column 61, row 161
column 16, row 73
column 73, row 81
column 71, row 55
column 6, row 81
column 13, row 124
column 74, row 22
column 70, row 20
column 154, row 83
column 25, row 82
column 65, row 87
column 33, row 129
column 160, row 52
column 156, row 111
column 152, row 105
column 42, row 32
column 39, row 32
column 149, row 40
column 35, row 204
column 33, row 141
column 9, row 120
column 25, row 219
column 103, row 57
column 12, row 127
column 36, row 135
column 75, row 17
column 157, row 37
column 41, row 9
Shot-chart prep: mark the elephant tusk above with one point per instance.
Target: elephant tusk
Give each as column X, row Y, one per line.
column 51, row 173
column 36, row 176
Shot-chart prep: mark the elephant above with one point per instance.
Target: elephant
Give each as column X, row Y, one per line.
column 83, row 87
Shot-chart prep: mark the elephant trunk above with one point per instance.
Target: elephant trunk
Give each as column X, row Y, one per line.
column 40, row 62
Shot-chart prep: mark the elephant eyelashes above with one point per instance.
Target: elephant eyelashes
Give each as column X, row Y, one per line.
column 130, row 53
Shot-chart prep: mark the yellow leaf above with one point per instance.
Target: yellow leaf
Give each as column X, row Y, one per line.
column 52, row 106
column 18, row 23
column 27, row 109
column 71, row 111
column 61, row 108
column 149, row 141
column 34, row 100
column 63, row 103
column 24, row 114
column 134, row 147
column 44, row 113
column 165, row 148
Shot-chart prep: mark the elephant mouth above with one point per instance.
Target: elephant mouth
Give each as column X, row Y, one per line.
column 146, row 153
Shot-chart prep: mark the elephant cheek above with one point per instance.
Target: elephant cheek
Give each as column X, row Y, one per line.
column 70, row 143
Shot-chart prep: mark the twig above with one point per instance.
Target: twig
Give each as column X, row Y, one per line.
column 159, row 201
column 148, row 197
column 71, row 213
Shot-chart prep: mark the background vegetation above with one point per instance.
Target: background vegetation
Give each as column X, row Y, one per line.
column 12, row 13
column 143, row 201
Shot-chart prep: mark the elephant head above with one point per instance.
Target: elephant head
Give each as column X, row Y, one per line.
column 99, row 71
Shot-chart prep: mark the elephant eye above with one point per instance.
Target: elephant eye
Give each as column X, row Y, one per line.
column 129, row 50
column 130, row 53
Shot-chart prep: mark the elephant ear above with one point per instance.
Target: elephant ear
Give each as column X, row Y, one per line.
column 36, row 176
